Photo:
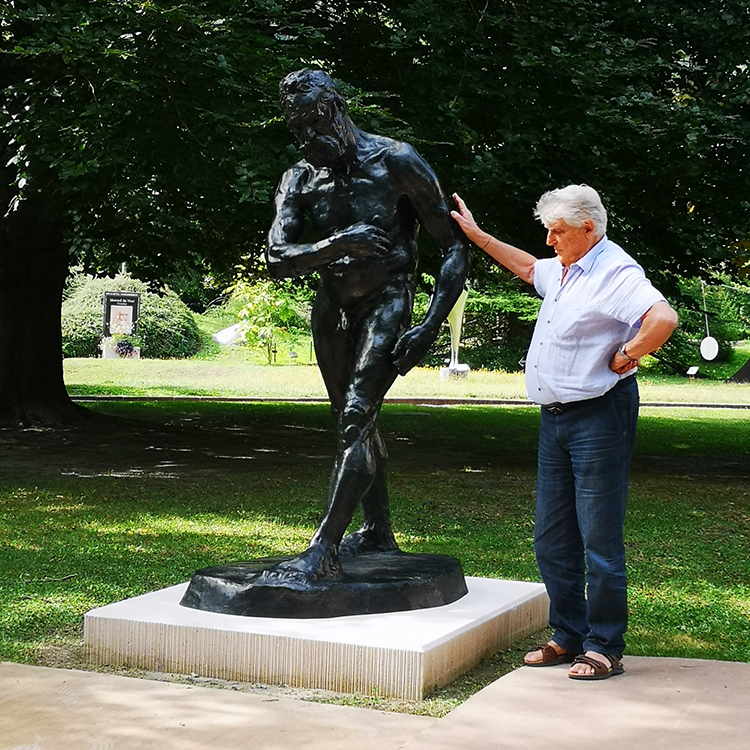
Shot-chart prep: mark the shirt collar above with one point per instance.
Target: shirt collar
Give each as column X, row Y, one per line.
column 586, row 263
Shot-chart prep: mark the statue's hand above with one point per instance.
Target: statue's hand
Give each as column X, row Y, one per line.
column 411, row 347
column 361, row 241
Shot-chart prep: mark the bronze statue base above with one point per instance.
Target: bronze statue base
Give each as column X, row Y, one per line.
column 369, row 583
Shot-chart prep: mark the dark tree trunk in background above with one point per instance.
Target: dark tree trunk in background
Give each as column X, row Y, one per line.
column 33, row 268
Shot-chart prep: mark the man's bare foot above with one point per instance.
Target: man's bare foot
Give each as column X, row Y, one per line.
column 368, row 539
column 318, row 561
column 548, row 655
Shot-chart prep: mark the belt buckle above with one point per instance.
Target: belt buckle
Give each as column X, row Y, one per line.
column 555, row 409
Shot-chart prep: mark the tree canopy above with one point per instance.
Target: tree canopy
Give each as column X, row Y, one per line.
column 143, row 125
column 148, row 132
column 647, row 101
column 150, row 125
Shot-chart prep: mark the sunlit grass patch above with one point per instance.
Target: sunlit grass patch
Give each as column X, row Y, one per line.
column 235, row 374
column 462, row 482
column 683, row 621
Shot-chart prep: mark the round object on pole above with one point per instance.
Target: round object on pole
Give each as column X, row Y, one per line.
column 709, row 348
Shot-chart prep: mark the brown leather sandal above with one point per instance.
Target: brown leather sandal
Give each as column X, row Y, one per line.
column 550, row 657
column 601, row 670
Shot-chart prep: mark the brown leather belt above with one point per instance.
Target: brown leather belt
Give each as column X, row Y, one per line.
column 558, row 408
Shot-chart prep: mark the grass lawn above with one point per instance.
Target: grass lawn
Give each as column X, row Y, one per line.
column 141, row 500
column 91, row 515
column 239, row 374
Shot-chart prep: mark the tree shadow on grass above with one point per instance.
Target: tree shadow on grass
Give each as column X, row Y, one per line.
column 144, row 494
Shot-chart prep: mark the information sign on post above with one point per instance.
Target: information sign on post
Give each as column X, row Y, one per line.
column 121, row 313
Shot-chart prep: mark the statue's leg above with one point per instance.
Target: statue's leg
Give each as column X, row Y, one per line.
column 375, row 534
column 355, row 359
column 374, row 374
column 355, row 469
column 335, row 350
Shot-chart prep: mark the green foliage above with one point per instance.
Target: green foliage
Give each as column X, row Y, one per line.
column 82, row 315
column 166, row 327
column 497, row 326
column 714, row 309
column 154, row 128
column 737, row 299
column 268, row 311
column 646, row 101
column 147, row 127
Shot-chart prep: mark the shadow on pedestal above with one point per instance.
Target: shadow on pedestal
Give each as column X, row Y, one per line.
column 369, row 583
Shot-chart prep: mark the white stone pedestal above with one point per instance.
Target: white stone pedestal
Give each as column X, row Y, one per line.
column 454, row 371
column 400, row 654
column 108, row 352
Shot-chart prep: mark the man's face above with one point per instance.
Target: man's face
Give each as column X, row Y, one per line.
column 571, row 243
column 322, row 132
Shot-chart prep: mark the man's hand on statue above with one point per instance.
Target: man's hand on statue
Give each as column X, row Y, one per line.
column 464, row 218
column 362, row 241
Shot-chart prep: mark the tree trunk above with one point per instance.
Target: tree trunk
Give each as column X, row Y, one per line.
column 33, row 269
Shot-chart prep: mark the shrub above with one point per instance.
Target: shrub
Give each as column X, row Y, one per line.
column 497, row 326
column 166, row 327
column 270, row 312
column 703, row 309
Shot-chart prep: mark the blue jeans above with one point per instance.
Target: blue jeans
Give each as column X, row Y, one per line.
column 582, row 486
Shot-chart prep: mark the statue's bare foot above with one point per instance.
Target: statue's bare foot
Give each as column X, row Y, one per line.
column 318, row 561
column 368, row 539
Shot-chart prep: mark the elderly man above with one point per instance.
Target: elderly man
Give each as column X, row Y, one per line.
column 599, row 316
column 364, row 197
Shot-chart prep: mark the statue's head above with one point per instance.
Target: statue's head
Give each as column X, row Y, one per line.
column 316, row 114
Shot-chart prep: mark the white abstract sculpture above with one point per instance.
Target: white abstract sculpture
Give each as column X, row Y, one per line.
column 455, row 321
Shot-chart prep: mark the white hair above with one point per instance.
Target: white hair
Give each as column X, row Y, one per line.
column 573, row 204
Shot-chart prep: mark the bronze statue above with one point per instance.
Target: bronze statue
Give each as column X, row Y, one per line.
column 361, row 199
column 350, row 211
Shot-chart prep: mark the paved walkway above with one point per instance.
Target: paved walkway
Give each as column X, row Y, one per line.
column 659, row 704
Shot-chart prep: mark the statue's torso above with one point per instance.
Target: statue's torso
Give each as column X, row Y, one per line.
column 370, row 193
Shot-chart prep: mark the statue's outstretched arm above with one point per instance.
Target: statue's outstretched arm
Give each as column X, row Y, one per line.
column 431, row 209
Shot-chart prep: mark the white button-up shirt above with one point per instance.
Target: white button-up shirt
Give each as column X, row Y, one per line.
column 583, row 321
